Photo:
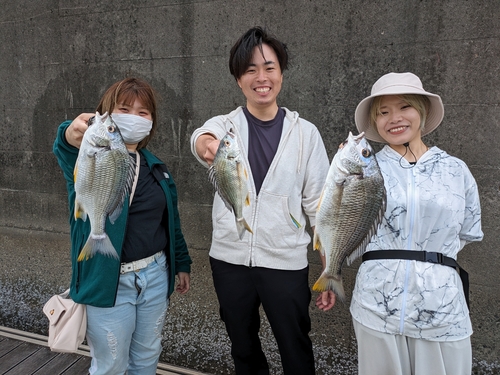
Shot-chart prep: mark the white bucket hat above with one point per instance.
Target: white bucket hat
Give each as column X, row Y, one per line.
column 397, row 84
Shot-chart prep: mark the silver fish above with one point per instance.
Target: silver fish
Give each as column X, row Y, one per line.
column 352, row 205
column 230, row 179
column 102, row 174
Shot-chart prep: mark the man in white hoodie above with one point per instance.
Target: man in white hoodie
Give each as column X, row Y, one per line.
column 287, row 164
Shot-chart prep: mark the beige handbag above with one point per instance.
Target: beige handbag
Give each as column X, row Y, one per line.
column 67, row 323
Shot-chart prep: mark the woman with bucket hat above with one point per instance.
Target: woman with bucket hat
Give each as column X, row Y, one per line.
column 409, row 305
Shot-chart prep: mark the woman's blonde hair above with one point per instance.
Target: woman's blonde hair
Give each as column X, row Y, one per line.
column 420, row 102
column 127, row 91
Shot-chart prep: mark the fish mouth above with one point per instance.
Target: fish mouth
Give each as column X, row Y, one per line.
column 231, row 133
column 352, row 137
column 359, row 136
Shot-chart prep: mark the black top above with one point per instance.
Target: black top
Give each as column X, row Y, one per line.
column 145, row 234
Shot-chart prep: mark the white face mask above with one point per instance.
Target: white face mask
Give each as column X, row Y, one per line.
column 132, row 128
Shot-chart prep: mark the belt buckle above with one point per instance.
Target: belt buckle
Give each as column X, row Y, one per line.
column 433, row 257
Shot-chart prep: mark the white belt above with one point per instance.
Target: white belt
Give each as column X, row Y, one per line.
column 137, row 265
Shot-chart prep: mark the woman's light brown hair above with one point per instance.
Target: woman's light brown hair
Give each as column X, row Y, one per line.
column 127, row 91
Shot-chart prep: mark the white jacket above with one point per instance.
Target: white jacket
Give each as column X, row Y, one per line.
column 433, row 206
column 291, row 188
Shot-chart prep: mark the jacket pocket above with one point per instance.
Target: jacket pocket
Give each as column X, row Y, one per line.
column 276, row 228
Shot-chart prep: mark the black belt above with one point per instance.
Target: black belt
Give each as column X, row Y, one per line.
column 422, row 256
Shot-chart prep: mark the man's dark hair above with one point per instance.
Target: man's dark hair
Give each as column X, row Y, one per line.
column 241, row 53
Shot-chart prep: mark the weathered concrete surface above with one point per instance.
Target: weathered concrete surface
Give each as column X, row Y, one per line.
column 58, row 57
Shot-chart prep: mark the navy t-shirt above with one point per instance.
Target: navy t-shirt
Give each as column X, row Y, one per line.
column 263, row 140
column 145, row 234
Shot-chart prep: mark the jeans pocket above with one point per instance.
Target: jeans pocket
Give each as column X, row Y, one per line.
column 161, row 261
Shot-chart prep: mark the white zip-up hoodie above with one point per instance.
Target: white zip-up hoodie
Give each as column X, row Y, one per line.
column 432, row 206
column 288, row 197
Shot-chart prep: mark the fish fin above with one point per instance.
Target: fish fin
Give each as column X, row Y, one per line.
column 116, row 210
column 115, row 214
column 242, row 226
column 212, row 176
column 320, row 198
column 79, row 211
column 75, row 171
column 130, row 174
column 241, row 171
column 317, row 244
column 360, row 250
column 97, row 244
column 329, row 282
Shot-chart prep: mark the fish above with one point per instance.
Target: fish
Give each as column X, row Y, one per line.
column 103, row 177
column 351, row 207
column 229, row 177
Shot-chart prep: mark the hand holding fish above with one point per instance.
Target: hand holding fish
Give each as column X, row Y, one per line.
column 326, row 300
column 230, row 179
column 74, row 132
column 206, row 147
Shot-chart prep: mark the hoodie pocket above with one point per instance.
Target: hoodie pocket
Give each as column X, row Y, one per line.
column 276, row 228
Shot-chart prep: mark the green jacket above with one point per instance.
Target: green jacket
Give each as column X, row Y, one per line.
column 95, row 281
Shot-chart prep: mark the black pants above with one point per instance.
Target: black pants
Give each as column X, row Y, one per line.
column 285, row 297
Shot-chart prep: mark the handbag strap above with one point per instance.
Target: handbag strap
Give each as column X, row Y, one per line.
column 422, row 256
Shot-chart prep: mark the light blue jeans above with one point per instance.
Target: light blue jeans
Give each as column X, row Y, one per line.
column 126, row 338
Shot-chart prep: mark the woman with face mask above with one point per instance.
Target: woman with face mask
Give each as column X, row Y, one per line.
column 127, row 298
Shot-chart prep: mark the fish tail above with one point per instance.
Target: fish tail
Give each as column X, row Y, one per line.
column 329, row 282
column 242, row 226
column 97, row 244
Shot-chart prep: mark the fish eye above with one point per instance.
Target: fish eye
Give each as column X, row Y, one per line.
column 227, row 143
column 111, row 129
column 365, row 152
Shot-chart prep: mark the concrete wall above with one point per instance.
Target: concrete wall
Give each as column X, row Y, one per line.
column 58, row 57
